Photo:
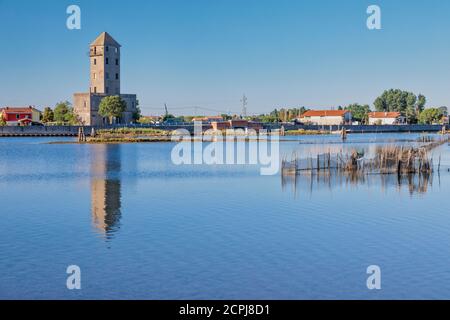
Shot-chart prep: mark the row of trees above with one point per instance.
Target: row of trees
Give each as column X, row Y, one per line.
column 283, row 115
column 411, row 106
column 61, row 114
column 432, row 115
column 407, row 103
column 110, row 107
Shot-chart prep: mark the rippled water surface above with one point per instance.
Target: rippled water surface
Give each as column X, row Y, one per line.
column 140, row 227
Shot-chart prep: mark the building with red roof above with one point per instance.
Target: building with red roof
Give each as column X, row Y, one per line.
column 326, row 117
column 386, row 118
column 20, row 116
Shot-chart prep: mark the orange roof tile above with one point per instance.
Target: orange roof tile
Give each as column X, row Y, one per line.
column 17, row 109
column 384, row 115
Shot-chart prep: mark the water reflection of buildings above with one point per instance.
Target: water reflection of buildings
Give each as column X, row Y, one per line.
column 307, row 182
column 106, row 188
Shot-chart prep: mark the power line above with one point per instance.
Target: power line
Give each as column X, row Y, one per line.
column 194, row 108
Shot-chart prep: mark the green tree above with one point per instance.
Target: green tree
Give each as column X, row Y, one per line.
column 444, row 110
column 302, row 110
column 268, row 118
column 137, row 114
column 421, row 102
column 73, row 119
column 430, row 116
column 2, row 120
column 48, row 115
column 168, row 118
column 282, row 115
column 63, row 112
column 407, row 103
column 112, row 107
column 359, row 112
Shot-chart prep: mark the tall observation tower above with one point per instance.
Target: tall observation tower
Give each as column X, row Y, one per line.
column 104, row 55
column 105, row 65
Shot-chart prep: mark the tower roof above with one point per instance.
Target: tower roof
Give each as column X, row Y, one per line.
column 105, row 39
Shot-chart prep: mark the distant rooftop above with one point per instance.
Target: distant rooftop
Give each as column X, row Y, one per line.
column 384, row 115
column 324, row 113
column 18, row 109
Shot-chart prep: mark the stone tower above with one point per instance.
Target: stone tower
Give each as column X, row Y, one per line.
column 105, row 65
column 104, row 55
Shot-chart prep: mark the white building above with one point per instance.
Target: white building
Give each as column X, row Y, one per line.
column 326, row 117
column 386, row 118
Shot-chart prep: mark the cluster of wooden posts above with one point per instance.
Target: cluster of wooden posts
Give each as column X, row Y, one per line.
column 389, row 159
column 81, row 135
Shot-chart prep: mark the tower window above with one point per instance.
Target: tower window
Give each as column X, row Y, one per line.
column 117, row 62
column 95, row 89
column 107, row 48
column 117, row 76
column 107, row 61
column 116, row 50
column 95, row 61
column 95, row 76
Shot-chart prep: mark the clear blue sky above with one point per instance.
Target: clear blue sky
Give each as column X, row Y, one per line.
column 208, row 53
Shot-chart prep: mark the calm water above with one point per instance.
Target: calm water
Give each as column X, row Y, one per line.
column 140, row 227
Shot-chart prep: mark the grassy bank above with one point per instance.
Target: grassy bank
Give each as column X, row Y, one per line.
column 134, row 135
column 303, row 132
column 151, row 132
column 130, row 135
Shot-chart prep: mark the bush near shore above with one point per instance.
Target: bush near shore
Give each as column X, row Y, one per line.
column 130, row 135
column 133, row 131
column 303, row 132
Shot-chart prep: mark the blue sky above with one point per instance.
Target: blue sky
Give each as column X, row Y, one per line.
column 208, row 53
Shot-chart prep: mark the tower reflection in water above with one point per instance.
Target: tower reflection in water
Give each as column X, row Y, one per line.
column 106, row 188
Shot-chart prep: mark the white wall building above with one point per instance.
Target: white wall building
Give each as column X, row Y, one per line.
column 326, row 117
column 386, row 118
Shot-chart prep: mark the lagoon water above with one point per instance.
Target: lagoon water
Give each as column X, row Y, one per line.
column 140, row 227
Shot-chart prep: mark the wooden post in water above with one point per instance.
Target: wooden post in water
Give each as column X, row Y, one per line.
column 344, row 134
column 81, row 135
